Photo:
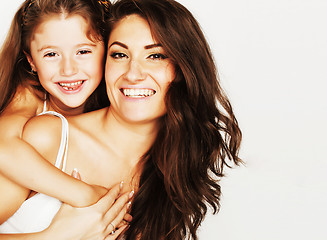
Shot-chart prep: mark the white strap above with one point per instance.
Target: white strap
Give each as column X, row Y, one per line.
column 62, row 153
column 45, row 103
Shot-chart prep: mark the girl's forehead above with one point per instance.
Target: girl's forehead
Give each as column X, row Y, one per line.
column 61, row 17
column 57, row 24
column 58, row 31
column 60, row 23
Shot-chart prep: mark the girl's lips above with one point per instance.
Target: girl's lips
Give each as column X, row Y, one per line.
column 71, row 87
column 137, row 92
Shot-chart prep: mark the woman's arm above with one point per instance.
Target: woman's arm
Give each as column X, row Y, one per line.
column 23, row 165
column 24, row 236
column 94, row 222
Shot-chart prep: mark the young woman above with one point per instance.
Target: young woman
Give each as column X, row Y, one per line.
column 169, row 130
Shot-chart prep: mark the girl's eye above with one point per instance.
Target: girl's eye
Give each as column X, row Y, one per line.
column 118, row 55
column 50, row 54
column 157, row 56
column 82, row 52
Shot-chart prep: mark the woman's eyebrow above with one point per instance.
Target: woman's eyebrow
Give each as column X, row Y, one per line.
column 119, row 43
column 152, row 46
column 145, row 47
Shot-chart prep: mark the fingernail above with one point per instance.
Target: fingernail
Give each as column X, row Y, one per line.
column 121, row 185
column 131, row 194
column 129, row 204
column 75, row 173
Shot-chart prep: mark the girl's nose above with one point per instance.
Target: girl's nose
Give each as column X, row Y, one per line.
column 68, row 67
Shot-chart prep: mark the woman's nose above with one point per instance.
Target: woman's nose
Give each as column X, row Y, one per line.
column 135, row 72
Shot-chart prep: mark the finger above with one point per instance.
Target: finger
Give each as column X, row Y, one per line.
column 126, row 220
column 75, row 174
column 119, row 207
column 107, row 200
column 128, row 217
column 117, row 233
column 115, row 223
column 122, row 223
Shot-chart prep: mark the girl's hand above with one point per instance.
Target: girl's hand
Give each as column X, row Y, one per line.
column 94, row 222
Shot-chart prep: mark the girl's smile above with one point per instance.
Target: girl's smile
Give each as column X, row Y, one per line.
column 68, row 63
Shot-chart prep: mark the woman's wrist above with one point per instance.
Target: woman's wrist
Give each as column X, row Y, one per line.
column 30, row 236
column 45, row 234
column 56, row 230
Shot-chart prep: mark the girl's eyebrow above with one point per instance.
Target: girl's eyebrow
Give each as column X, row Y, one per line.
column 79, row 45
column 145, row 47
column 86, row 44
column 45, row 47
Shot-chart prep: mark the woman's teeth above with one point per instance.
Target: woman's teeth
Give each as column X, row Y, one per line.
column 138, row 93
column 70, row 86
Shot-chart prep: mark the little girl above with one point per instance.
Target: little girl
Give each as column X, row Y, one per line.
column 57, row 46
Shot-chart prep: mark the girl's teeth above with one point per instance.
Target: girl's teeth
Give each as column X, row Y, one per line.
column 138, row 92
column 72, row 84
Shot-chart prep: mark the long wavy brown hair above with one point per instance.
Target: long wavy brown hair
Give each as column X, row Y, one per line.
column 14, row 67
column 197, row 138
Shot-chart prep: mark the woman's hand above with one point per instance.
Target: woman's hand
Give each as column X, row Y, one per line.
column 97, row 221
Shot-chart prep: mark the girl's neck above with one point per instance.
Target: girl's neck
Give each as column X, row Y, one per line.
column 63, row 109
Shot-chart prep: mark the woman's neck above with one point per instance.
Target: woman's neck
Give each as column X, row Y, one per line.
column 132, row 140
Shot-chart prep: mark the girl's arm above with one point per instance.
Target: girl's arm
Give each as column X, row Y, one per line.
column 12, row 197
column 23, row 165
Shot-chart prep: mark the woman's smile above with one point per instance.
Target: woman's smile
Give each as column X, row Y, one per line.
column 137, row 92
column 138, row 72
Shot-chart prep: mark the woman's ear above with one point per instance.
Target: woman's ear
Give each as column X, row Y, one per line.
column 30, row 61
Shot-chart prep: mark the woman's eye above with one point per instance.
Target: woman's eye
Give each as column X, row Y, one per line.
column 50, row 54
column 118, row 55
column 82, row 52
column 157, row 56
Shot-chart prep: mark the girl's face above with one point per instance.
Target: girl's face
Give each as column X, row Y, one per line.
column 68, row 63
column 138, row 71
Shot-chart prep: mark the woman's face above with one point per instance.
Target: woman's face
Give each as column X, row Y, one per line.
column 138, row 71
column 68, row 63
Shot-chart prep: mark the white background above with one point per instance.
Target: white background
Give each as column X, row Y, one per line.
column 272, row 61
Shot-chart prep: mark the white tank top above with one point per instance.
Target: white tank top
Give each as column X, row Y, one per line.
column 37, row 212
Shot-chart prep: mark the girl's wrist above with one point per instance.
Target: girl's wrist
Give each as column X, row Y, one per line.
column 84, row 195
